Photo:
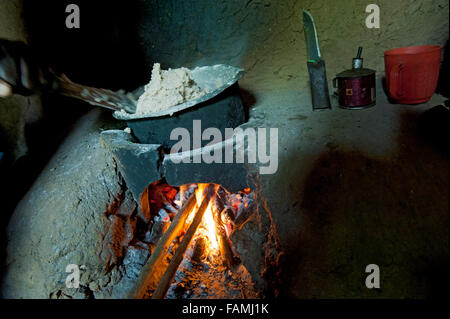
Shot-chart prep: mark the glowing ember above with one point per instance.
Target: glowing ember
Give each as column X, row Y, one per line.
column 224, row 212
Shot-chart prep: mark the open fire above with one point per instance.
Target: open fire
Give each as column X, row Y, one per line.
column 207, row 228
column 189, row 235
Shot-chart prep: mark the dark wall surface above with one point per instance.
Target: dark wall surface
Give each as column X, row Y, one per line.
column 120, row 40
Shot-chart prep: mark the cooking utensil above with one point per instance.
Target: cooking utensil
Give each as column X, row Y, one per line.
column 99, row 97
column 220, row 108
column 223, row 111
column 356, row 86
column 213, row 79
column 316, row 65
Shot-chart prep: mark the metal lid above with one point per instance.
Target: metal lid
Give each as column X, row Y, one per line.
column 353, row 73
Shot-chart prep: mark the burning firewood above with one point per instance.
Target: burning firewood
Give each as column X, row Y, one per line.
column 160, row 226
column 208, row 224
column 227, row 215
column 222, row 221
column 164, row 203
column 185, row 192
column 199, row 250
column 245, row 210
column 158, row 195
column 153, row 270
column 220, row 200
column 168, row 276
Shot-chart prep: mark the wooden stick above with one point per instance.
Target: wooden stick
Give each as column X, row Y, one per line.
column 168, row 276
column 225, row 250
column 153, row 269
column 224, row 244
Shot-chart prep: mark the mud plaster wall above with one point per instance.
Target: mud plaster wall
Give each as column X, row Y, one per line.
column 267, row 39
column 16, row 111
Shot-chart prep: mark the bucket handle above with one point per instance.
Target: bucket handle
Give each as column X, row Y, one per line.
column 395, row 80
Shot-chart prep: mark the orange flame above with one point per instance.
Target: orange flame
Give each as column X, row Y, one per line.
column 208, row 222
column 208, row 227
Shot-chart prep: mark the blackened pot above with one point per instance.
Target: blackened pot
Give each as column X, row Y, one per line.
column 225, row 110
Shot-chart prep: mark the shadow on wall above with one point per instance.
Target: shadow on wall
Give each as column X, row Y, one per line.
column 102, row 53
column 105, row 51
column 358, row 210
column 192, row 33
column 99, row 54
column 118, row 42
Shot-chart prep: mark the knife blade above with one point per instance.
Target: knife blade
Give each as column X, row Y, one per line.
column 99, row 97
column 312, row 40
column 316, row 65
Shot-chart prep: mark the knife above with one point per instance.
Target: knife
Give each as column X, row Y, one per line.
column 316, row 66
column 99, row 97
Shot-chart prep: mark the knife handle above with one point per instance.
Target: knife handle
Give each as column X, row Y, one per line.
column 319, row 85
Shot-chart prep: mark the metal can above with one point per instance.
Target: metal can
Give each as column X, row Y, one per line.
column 356, row 87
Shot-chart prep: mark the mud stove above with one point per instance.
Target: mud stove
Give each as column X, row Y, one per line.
column 200, row 230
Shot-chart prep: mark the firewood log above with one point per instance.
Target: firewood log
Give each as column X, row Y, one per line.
column 168, row 276
column 154, row 268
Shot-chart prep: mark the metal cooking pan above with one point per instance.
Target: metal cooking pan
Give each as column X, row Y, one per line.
column 220, row 108
column 214, row 79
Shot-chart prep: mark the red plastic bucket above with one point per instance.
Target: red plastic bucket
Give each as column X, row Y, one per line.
column 412, row 73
